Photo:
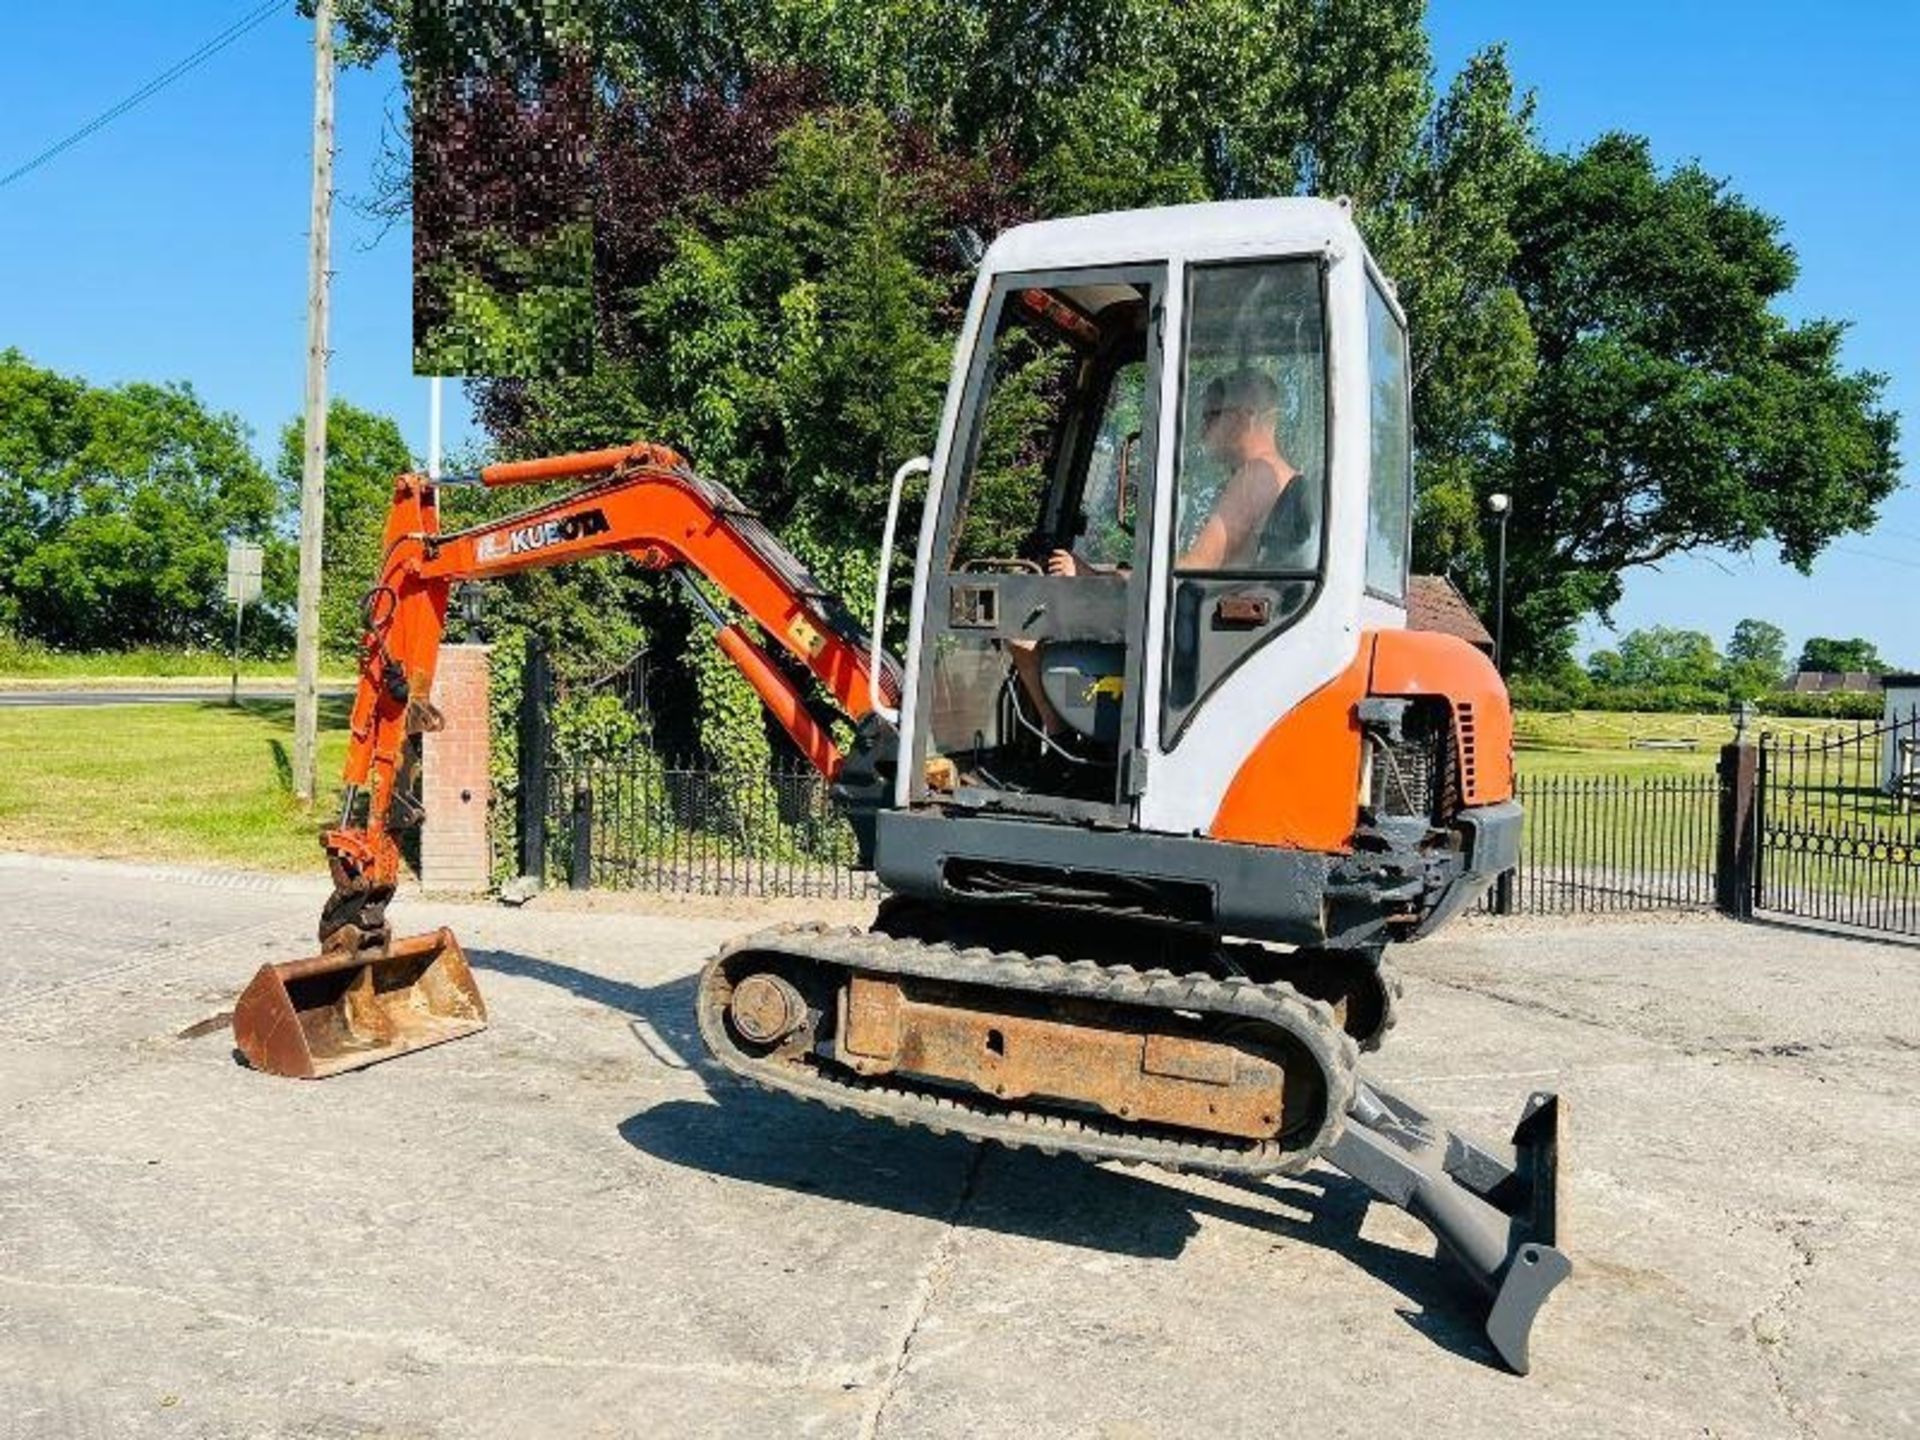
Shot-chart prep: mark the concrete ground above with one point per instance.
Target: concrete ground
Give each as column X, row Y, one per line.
column 566, row 1226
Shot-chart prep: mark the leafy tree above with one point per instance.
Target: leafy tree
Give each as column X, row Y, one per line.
column 1672, row 408
column 1658, row 656
column 116, row 507
column 502, row 205
column 1842, row 656
column 1756, row 659
column 795, row 341
column 365, row 451
column 1756, row 642
column 1590, row 335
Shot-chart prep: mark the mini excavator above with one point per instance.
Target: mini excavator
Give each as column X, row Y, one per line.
column 1160, row 776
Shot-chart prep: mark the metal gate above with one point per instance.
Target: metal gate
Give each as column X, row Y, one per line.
column 1837, row 826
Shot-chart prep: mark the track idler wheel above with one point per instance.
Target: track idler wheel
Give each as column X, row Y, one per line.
column 766, row 1009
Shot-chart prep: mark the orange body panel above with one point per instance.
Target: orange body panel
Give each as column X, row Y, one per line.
column 1300, row 788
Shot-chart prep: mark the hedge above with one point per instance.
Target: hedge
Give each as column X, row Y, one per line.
column 1532, row 694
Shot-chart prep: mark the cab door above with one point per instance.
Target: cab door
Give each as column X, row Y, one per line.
column 1029, row 679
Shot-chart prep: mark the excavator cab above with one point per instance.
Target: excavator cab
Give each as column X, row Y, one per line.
column 1130, row 504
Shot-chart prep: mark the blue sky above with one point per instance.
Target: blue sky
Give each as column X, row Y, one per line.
column 172, row 244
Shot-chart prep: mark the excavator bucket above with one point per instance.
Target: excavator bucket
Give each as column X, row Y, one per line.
column 340, row 1011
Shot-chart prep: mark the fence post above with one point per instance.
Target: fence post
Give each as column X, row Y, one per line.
column 1734, row 844
column 582, row 876
column 536, row 695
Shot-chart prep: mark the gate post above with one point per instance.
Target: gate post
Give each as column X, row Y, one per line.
column 1733, row 870
column 455, row 853
column 536, row 697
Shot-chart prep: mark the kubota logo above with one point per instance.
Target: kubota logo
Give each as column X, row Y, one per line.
column 548, row 532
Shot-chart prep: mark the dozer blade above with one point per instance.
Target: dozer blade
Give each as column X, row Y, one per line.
column 340, row 1011
column 1494, row 1209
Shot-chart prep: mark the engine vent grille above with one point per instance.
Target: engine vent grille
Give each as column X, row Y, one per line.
column 1464, row 723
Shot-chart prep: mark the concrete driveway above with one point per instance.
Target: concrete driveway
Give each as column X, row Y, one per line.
column 565, row 1226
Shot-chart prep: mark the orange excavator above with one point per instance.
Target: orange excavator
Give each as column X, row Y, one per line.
column 1160, row 776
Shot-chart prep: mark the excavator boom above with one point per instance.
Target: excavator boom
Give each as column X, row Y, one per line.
column 367, row 997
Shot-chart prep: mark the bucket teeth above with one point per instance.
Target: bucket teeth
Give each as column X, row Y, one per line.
column 345, row 1009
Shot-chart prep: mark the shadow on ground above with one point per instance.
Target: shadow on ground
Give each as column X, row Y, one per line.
column 743, row 1133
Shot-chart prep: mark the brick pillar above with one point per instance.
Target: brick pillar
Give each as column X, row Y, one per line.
column 453, row 842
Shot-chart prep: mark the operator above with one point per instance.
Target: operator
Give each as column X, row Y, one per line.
column 1239, row 430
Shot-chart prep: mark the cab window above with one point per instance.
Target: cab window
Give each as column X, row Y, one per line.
column 1250, row 470
column 1390, row 482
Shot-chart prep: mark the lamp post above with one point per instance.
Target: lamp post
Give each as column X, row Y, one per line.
column 1502, row 506
column 471, row 601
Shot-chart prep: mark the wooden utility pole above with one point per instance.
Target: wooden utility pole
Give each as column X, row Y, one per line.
column 313, row 474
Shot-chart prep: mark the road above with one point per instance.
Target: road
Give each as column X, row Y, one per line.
column 171, row 695
column 568, row 1226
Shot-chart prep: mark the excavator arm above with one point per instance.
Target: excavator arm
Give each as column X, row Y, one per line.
column 367, row 997
column 642, row 501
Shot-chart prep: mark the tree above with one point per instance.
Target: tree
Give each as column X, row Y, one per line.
column 795, row 340
column 1590, row 335
column 1672, row 408
column 116, row 507
column 365, row 451
column 1658, row 656
column 1852, row 656
column 1756, row 659
column 502, row 212
column 1758, row 643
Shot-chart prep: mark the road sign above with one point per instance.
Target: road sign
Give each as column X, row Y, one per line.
column 243, row 572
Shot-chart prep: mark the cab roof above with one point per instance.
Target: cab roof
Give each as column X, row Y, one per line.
column 1215, row 230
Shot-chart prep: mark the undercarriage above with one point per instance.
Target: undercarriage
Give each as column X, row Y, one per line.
column 1207, row 1068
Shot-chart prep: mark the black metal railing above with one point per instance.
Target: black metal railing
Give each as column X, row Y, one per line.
column 1613, row 842
column 1825, row 827
column 646, row 823
column 1838, row 826
column 1591, row 843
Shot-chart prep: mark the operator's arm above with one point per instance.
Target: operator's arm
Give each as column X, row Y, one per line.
column 1243, row 507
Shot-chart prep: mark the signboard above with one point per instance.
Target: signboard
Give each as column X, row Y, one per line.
column 243, row 572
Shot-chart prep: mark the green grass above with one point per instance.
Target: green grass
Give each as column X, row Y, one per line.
column 185, row 782
column 1592, row 742
column 27, row 660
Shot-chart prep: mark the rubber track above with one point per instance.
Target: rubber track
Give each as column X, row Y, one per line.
column 1310, row 1022
column 1391, row 990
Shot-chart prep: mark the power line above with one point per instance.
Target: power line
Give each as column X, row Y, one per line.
column 1870, row 555
column 152, row 87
